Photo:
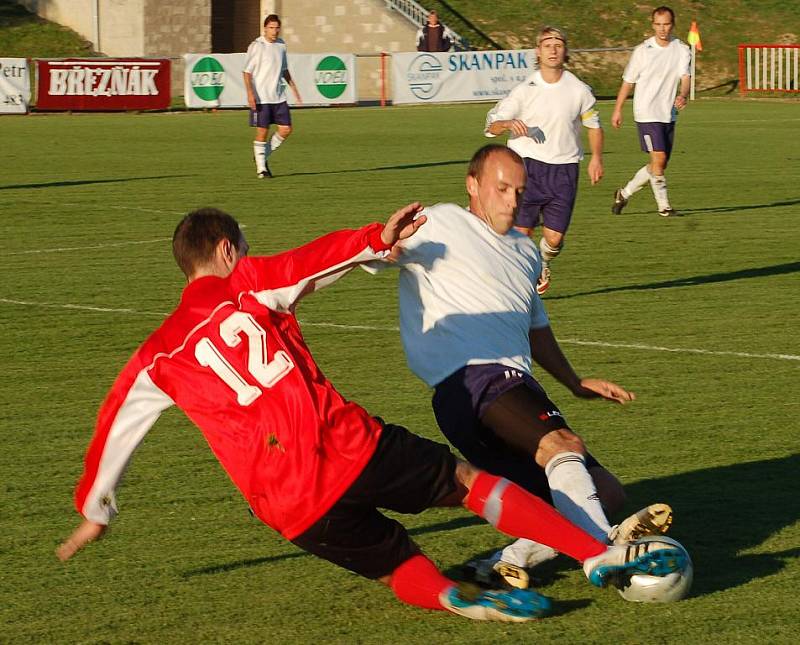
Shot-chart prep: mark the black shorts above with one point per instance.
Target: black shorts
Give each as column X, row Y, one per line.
column 407, row 474
column 495, row 416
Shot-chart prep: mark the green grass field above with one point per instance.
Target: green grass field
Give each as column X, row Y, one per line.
column 698, row 315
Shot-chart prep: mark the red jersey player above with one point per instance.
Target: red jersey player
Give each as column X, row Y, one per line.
column 311, row 464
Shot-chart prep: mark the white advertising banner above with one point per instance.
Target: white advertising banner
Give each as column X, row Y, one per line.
column 215, row 80
column 15, row 85
column 458, row 76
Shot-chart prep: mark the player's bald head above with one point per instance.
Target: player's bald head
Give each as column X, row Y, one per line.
column 488, row 155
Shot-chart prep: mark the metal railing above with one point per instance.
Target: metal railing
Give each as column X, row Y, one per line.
column 416, row 14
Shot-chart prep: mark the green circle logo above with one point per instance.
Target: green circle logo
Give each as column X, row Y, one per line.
column 208, row 78
column 331, row 77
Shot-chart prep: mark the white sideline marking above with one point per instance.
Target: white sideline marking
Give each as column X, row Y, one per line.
column 53, row 305
column 568, row 341
column 109, row 245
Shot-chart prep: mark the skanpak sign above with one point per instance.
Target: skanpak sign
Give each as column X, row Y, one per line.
column 459, row 76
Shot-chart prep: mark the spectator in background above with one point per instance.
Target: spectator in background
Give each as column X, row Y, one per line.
column 433, row 36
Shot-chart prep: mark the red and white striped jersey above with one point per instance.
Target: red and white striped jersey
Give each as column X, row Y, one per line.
column 233, row 358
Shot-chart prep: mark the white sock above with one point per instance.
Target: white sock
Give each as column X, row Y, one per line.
column 574, row 494
column 638, row 182
column 659, row 185
column 260, row 155
column 527, row 553
column 275, row 142
column 548, row 252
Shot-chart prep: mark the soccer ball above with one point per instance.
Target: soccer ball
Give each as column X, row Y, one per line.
column 669, row 588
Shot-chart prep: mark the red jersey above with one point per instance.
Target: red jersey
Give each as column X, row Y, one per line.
column 233, row 358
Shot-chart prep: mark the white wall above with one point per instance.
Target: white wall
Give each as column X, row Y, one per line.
column 118, row 23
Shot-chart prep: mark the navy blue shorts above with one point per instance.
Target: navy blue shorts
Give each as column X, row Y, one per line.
column 268, row 113
column 549, row 197
column 495, row 416
column 408, row 474
column 656, row 137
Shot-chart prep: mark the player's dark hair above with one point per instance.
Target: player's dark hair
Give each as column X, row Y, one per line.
column 663, row 9
column 197, row 236
column 273, row 17
column 479, row 159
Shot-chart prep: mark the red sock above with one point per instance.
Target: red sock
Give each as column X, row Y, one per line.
column 418, row 582
column 518, row 513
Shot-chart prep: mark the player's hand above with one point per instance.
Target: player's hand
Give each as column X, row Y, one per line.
column 616, row 119
column 88, row 531
column 592, row 388
column 403, row 223
column 516, row 128
column 251, row 102
column 680, row 102
column 595, row 169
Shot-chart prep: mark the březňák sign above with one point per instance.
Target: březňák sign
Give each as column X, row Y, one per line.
column 103, row 84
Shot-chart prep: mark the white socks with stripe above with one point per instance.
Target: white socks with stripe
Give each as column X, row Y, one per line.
column 574, row 494
column 275, row 142
column 260, row 155
column 638, row 182
column 659, row 185
column 575, row 497
column 527, row 553
column 548, row 252
column 263, row 149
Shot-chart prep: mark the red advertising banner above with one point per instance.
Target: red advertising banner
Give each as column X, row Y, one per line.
column 103, row 84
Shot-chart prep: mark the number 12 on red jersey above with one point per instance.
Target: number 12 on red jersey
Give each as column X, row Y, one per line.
column 266, row 372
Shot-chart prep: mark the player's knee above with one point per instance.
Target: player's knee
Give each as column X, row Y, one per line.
column 284, row 130
column 524, row 230
column 658, row 162
column 556, row 442
column 465, row 475
column 554, row 239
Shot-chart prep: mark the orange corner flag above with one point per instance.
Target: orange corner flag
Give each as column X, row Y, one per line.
column 694, row 37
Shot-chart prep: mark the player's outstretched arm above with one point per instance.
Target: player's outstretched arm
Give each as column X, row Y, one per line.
column 591, row 388
column 547, row 353
column 402, row 224
column 88, row 531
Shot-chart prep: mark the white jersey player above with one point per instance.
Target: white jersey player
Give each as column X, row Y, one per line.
column 472, row 325
column 265, row 70
column 544, row 118
column 656, row 68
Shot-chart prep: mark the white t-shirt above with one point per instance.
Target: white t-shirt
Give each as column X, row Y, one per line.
column 266, row 61
column 553, row 113
column 467, row 295
column 656, row 71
